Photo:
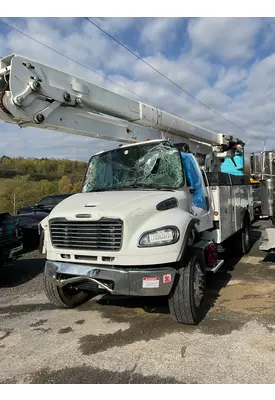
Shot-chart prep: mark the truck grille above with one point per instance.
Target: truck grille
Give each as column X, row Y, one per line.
column 105, row 234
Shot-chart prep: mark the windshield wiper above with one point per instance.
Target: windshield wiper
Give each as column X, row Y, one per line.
column 132, row 186
column 136, row 186
column 98, row 190
column 143, row 186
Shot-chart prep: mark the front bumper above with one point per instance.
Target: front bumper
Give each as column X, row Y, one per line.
column 142, row 281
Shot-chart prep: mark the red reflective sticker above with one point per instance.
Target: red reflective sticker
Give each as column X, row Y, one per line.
column 167, row 278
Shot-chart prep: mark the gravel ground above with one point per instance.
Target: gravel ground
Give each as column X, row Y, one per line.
column 131, row 340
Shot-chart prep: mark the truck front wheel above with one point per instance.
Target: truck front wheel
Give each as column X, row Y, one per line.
column 186, row 301
column 65, row 297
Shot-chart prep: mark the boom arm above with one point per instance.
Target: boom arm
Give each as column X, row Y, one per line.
column 36, row 95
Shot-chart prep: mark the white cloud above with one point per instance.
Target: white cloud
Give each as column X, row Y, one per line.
column 268, row 31
column 188, row 73
column 262, row 74
column 114, row 25
column 214, row 98
column 158, row 32
column 33, row 142
column 252, row 106
column 231, row 39
column 230, row 79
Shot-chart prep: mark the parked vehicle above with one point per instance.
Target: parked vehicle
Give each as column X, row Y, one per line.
column 262, row 167
column 257, row 203
column 154, row 213
column 29, row 225
column 46, row 204
column 11, row 240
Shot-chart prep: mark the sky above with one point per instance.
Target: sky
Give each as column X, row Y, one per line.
column 226, row 63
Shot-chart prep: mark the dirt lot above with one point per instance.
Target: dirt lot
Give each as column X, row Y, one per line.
column 124, row 340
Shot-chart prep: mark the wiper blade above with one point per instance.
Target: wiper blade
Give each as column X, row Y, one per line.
column 138, row 185
column 110, row 189
column 144, row 186
column 98, row 190
column 133, row 186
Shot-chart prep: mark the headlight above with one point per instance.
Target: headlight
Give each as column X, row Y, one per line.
column 159, row 237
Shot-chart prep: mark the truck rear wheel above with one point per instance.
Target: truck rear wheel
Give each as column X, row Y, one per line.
column 186, row 301
column 2, row 262
column 243, row 242
column 65, row 297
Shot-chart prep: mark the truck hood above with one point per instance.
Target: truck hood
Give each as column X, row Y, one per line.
column 121, row 204
column 136, row 208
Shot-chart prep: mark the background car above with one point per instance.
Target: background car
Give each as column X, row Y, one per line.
column 11, row 239
column 46, row 204
column 29, row 225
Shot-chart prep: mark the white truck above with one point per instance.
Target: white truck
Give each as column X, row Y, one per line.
column 262, row 167
column 154, row 212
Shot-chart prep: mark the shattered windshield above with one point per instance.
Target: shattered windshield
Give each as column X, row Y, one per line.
column 141, row 166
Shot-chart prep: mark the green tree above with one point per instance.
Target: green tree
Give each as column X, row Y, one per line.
column 29, row 180
column 65, row 185
column 77, row 187
column 21, row 191
column 46, row 187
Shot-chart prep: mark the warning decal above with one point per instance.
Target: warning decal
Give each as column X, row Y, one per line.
column 167, row 278
column 150, row 283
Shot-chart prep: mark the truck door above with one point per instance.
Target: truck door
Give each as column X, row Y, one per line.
column 200, row 202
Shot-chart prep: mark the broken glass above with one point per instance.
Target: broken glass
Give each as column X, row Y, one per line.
column 142, row 166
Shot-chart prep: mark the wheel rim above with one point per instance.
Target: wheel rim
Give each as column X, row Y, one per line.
column 198, row 284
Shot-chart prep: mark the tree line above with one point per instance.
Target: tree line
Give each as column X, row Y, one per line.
column 26, row 181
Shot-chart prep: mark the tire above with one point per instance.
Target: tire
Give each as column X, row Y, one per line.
column 64, row 297
column 186, row 302
column 243, row 240
column 2, row 261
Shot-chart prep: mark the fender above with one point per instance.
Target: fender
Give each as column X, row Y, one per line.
column 43, row 235
column 187, row 233
column 246, row 217
column 41, row 241
column 247, row 214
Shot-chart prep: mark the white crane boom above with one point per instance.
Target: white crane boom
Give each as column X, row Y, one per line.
column 36, row 95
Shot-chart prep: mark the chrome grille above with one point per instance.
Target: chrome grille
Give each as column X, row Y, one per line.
column 105, row 234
